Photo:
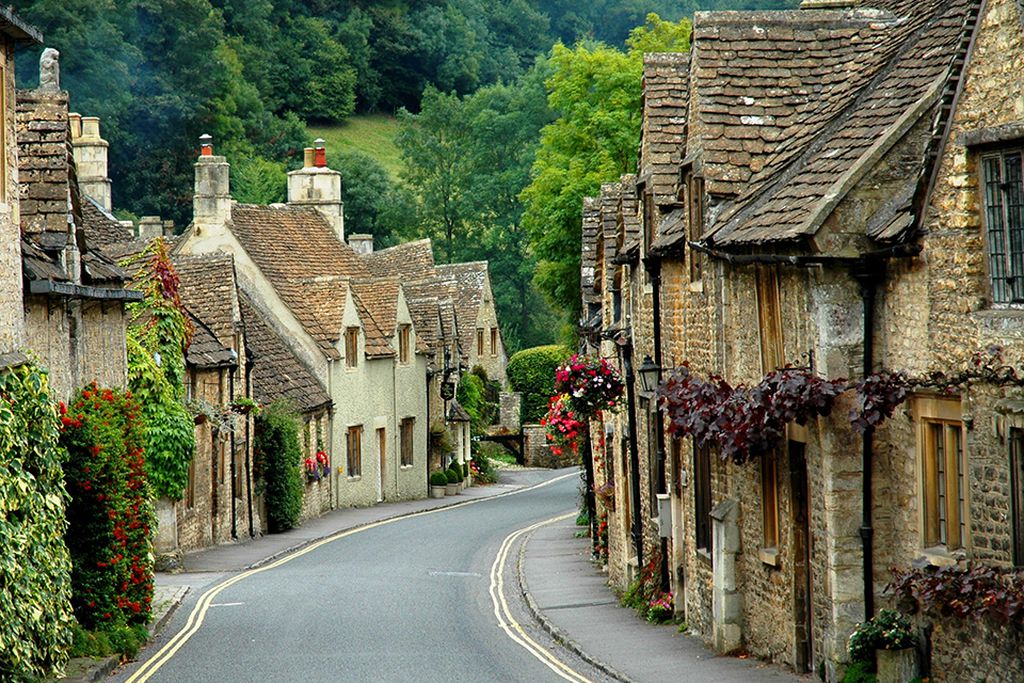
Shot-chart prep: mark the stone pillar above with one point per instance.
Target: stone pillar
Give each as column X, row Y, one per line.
column 319, row 187
column 91, row 158
column 726, row 601
column 211, row 205
column 510, row 409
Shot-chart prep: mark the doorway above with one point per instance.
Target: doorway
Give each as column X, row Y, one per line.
column 803, row 605
column 382, row 450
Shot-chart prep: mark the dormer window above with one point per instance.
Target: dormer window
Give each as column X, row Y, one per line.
column 351, row 347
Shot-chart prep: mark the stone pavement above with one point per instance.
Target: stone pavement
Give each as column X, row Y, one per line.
column 571, row 598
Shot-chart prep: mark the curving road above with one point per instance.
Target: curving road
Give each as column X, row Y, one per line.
column 406, row 600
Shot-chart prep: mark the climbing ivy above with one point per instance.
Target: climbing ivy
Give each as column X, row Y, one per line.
column 158, row 334
column 35, row 599
column 278, row 458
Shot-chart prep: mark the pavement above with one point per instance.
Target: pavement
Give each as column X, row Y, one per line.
column 565, row 592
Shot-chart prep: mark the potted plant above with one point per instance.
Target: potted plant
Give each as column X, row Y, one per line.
column 456, row 469
column 438, row 482
column 888, row 641
column 452, row 487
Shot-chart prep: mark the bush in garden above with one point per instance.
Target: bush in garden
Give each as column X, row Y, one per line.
column 438, row 478
column 36, row 619
column 111, row 512
column 532, row 373
column 278, row 459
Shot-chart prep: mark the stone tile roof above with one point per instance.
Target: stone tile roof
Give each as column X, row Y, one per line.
column 588, row 257
column 629, row 206
column 425, row 308
column 663, row 130
column 277, row 373
column 205, row 351
column 611, row 195
column 465, row 283
column 410, row 260
column 101, row 228
column 301, row 256
column 208, row 290
column 782, row 206
column 376, row 342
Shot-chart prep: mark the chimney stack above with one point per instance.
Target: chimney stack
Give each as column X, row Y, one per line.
column 150, row 227
column 91, row 158
column 318, row 186
column 211, row 205
column 361, row 244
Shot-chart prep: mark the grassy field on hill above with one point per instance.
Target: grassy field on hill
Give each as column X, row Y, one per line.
column 371, row 134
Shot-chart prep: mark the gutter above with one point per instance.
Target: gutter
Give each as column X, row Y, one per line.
column 83, row 291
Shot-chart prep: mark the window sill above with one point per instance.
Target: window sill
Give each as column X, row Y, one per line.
column 697, row 287
column 769, row 556
column 703, row 554
column 358, row 477
column 405, row 467
column 940, row 556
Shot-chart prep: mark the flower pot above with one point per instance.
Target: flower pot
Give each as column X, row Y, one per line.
column 437, row 491
column 451, row 489
column 897, row 666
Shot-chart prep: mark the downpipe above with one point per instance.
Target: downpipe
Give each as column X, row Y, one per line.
column 634, row 455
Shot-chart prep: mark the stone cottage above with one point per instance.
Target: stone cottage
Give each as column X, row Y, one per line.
column 831, row 189
column 294, row 266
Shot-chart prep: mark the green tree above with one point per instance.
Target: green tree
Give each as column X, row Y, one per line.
column 595, row 90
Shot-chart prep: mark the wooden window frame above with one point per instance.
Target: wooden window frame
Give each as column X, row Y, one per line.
column 770, row 504
column 694, row 193
column 494, row 342
column 404, row 343
column 1015, row 438
column 944, row 509
column 407, row 437
column 1002, row 200
column 354, row 451
column 769, row 317
column 479, row 341
column 351, row 347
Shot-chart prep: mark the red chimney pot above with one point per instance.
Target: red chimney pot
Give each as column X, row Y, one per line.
column 206, row 142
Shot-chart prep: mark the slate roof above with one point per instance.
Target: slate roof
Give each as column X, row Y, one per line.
column 102, row 228
column 208, row 291
column 301, row 256
column 276, row 372
column 205, row 351
column 789, row 109
column 663, row 132
column 410, row 259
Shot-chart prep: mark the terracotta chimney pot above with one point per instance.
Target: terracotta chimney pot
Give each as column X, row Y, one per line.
column 307, row 157
column 319, row 153
column 206, row 145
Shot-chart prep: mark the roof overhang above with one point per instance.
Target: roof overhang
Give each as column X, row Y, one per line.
column 12, row 25
column 74, row 291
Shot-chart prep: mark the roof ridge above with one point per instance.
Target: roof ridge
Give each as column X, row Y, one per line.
column 794, row 17
column 783, row 176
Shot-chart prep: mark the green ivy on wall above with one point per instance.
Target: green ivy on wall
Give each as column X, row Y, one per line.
column 35, row 601
column 157, row 337
column 278, row 461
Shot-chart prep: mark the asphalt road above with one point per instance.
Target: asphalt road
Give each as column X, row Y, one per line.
column 403, row 601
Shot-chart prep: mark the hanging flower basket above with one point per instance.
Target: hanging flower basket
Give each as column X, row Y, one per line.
column 591, row 384
column 563, row 425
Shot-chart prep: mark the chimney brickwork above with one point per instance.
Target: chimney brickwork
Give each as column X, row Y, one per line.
column 150, row 227
column 318, row 186
column 211, row 205
column 91, row 159
column 46, row 179
column 361, row 244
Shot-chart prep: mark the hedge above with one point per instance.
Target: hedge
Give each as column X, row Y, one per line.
column 35, row 570
column 532, row 372
column 278, row 461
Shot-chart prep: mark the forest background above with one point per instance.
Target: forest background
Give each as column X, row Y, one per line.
column 508, row 113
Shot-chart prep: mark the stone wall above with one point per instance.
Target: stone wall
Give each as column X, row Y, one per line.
column 510, row 409
column 977, row 651
column 316, row 495
column 11, row 303
column 538, row 450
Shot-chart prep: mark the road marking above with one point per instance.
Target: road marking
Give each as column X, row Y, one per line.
column 503, row 614
column 198, row 614
column 227, row 604
column 474, row 574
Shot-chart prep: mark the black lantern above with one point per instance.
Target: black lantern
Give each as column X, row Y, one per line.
column 650, row 374
column 447, row 390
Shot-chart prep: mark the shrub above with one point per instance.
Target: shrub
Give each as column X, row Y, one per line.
column 451, row 477
column 111, row 511
column 888, row 630
column 279, row 457
column 532, row 372
column 114, row 639
column 483, row 470
column 438, row 478
column 35, row 570
column 465, row 470
column 472, row 396
column 457, row 469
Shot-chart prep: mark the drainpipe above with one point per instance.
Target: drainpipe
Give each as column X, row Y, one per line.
column 654, row 268
column 248, row 442
column 234, row 473
column 868, row 273
column 634, row 456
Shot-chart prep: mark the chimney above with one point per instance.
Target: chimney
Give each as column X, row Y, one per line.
column 361, row 244
column 211, row 205
column 168, row 228
column 91, row 158
column 318, row 186
column 150, row 227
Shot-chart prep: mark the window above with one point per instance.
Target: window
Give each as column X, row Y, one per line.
column 480, row 341
column 494, row 341
column 770, row 500
column 702, row 497
column 769, row 318
column 351, row 346
column 354, row 443
column 944, row 495
column 1017, row 494
column 1004, row 223
column 694, row 189
column 404, row 339
column 407, row 427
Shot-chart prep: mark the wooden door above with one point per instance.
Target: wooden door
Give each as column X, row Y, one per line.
column 802, row 599
column 382, row 450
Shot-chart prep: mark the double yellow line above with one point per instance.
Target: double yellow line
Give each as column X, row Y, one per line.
column 503, row 614
column 198, row 614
